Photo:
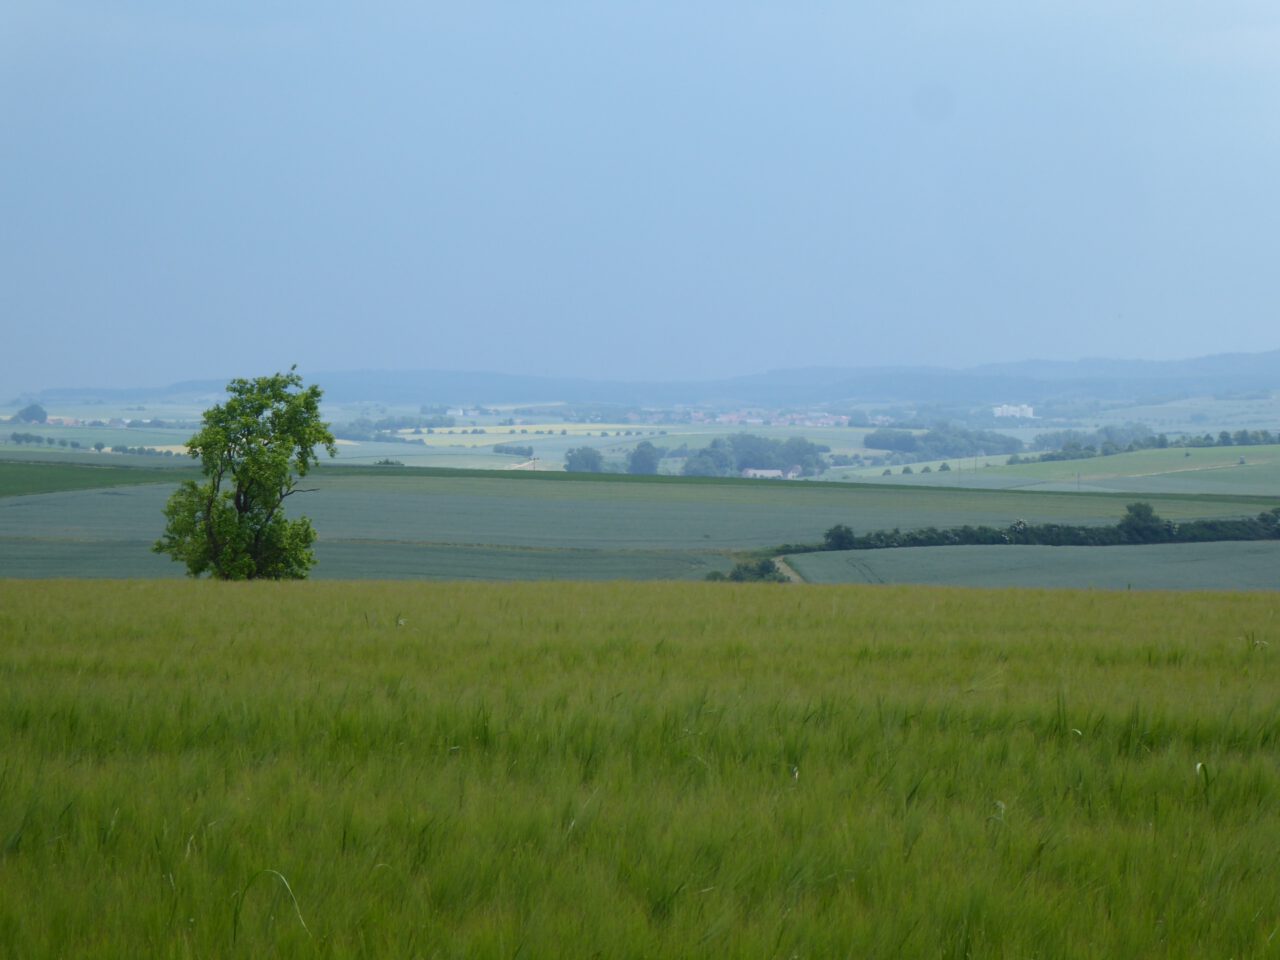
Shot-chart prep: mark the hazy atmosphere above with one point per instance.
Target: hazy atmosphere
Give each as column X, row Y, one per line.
column 655, row 191
column 772, row 479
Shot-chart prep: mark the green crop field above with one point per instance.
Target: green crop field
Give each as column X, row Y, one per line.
column 1169, row 566
column 1207, row 470
column 23, row 478
column 198, row 769
column 389, row 523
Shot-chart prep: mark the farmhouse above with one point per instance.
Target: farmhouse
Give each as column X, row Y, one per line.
column 762, row 474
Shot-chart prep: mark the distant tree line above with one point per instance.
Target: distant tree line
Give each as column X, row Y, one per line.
column 21, row 438
column 643, row 460
column 514, row 449
column 942, row 441
column 138, row 451
column 729, row 456
column 947, row 441
column 1113, row 438
column 1108, row 441
column 1139, row 525
column 1241, row 438
column 386, row 429
column 722, row 457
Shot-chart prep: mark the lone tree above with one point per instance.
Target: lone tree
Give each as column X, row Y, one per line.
column 252, row 449
column 31, row 413
column 839, row 537
column 643, row 460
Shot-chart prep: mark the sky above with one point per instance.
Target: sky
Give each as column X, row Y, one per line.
column 640, row 191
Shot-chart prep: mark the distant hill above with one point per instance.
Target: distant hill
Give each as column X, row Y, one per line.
column 1030, row 381
column 1262, row 369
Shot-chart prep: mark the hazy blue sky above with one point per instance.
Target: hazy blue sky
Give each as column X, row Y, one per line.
column 637, row 190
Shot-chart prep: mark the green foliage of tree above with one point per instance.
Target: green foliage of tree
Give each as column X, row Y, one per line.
column 756, row 571
column 943, row 440
column 514, row 450
column 729, row 456
column 1140, row 524
column 714, row 460
column 584, row 460
column 839, row 537
column 31, row 413
column 252, row 449
column 643, row 459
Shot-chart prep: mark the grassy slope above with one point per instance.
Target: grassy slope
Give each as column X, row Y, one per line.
column 391, row 522
column 623, row 770
column 1174, row 566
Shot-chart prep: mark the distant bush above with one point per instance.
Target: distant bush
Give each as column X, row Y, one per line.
column 756, row 571
column 839, row 537
column 514, row 450
column 584, row 460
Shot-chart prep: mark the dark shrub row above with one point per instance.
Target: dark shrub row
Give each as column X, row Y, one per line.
column 1140, row 524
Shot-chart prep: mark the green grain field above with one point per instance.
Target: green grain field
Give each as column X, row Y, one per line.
column 199, row 769
column 1166, row 566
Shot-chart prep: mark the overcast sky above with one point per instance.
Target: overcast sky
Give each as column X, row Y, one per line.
column 632, row 190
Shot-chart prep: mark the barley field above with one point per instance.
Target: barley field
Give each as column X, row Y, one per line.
column 1222, row 565
column 194, row 769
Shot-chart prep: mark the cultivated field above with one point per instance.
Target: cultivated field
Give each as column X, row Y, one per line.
column 384, row 523
column 1168, row 566
column 24, row 478
column 343, row 770
column 1209, row 470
